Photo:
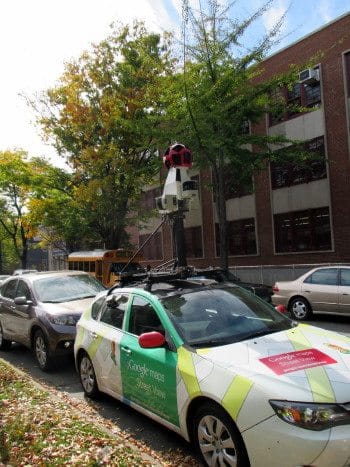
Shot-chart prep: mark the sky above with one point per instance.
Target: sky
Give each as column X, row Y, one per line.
column 37, row 37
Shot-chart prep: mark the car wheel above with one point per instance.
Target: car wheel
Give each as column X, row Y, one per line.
column 88, row 377
column 41, row 351
column 300, row 308
column 4, row 343
column 217, row 439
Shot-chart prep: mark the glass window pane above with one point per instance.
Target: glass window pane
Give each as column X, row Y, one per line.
column 23, row 290
column 10, row 289
column 345, row 276
column 303, row 230
column 325, row 277
column 113, row 310
column 143, row 317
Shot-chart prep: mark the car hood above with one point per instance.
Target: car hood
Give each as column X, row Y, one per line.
column 304, row 363
column 74, row 306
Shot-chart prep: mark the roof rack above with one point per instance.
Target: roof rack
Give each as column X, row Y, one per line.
column 153, row 277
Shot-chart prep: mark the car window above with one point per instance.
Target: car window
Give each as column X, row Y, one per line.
column 143, row 317
column 345, row 276
column 113, row 309
column 23, row 290
column 96, row 307
column 327, row 276
column 9, row 289
column 222, row 315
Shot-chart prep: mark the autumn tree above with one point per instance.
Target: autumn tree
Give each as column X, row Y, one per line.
column 22, row 180
column 54, row 211
column 219, row 95
column 105, row 116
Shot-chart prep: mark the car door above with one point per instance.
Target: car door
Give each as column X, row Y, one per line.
column 8, row 293
column 344, row 290
column 106, row 336
column 149, row 375
column 321, row 289
column 22, row 314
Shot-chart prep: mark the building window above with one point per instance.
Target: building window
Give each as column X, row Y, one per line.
column 153, row 249
column 307, row 230
column 288, row 174
column 240, row 237
column 299, row 95
column 194, row 244
column 148, row 199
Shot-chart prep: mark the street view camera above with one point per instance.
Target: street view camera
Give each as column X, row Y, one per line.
column 180, row 192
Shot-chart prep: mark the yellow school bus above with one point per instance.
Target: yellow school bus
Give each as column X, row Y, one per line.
column 105, row 265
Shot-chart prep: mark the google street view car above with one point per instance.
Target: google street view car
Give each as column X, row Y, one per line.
column 222, row 368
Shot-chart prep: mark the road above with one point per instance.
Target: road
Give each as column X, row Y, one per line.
column 65, row 378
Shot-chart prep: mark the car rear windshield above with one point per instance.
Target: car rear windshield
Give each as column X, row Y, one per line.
column 66, row 288
column 222, row 315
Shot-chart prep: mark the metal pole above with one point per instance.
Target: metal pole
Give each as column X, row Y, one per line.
column 143, row 244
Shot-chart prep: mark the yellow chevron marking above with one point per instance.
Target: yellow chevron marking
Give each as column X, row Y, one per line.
column 188, row 371
column 235, row 395
column 325, row 333
column 95, row 344
column 320, row 385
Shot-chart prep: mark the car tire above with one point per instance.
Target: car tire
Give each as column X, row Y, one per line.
column 4, row 343
column 41, row 351
column 88, row 377
column 217, row 439
column 300, row 309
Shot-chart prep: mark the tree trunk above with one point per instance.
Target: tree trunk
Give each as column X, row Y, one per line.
column 221, row 207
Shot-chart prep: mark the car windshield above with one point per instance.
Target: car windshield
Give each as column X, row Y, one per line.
column 66, row 288
column 222, row 315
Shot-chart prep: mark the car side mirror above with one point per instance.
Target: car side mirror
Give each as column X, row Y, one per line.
column 22, row 301
column 151, row 340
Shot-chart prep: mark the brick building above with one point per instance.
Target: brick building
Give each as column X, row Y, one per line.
column 294, row 215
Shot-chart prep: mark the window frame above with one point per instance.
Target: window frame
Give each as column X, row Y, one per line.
column 294, row 234
column 297, row 175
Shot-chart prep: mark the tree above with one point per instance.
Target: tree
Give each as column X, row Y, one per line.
column 219, row 93
column 21, row 181
column 105, row 116
column 55, row 212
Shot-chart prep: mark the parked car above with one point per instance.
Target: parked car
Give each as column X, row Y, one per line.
column 222, row 368
column 324, row 289
column 261, row 290
column 3, row 277
column 19, row 272
column 40, row 311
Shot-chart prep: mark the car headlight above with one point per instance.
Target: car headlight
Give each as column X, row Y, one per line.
column 312, row 416
column 63, row 320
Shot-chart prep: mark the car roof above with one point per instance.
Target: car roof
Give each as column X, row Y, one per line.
column 171, row 288
column 37, row 275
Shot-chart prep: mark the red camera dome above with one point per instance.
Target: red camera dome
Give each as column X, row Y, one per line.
column 177, row 155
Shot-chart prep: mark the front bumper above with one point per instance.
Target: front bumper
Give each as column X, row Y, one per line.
column 61, row 339
column 276, row 443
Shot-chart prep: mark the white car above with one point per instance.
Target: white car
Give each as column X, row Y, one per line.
column 222, row 368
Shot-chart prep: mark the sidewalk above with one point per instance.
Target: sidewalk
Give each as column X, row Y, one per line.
column 40, row 426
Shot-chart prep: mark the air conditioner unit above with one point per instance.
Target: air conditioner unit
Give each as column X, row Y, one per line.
column 309, row 76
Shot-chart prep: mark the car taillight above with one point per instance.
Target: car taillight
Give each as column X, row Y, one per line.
column 281, row 308
column 275, row 289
